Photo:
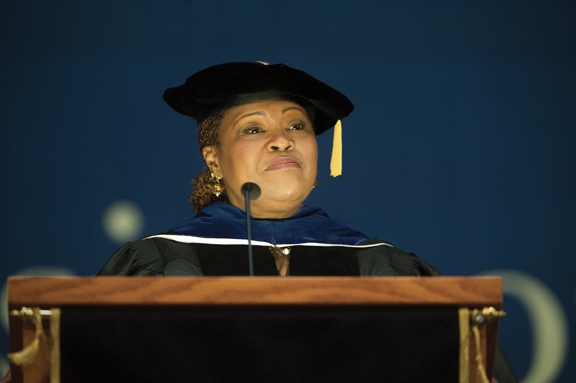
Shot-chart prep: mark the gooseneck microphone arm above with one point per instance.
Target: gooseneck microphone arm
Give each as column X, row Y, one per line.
column 249, row 232
column 250, row 191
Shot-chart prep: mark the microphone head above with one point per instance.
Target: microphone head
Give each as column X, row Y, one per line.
column 252, row 189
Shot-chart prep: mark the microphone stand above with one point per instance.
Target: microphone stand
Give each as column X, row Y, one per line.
column 249, row 232
column 251, row 191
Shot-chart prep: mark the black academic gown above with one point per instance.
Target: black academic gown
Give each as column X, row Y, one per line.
column 174, row 256
column 167, row 255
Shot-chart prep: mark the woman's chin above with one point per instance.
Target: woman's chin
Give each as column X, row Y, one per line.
column 287, row 192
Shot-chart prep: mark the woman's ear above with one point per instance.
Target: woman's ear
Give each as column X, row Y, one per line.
column 210, row 156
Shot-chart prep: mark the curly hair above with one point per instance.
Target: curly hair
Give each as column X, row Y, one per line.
column 203, row 195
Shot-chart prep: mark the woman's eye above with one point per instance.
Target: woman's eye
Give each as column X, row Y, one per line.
column 298, row 126
column 253, row 130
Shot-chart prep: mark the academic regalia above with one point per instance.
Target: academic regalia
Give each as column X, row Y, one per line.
column 213, row 243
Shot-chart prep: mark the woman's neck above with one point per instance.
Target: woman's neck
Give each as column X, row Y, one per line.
column 272, row 210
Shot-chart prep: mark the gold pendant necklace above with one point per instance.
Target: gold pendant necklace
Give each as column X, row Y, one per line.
column 282, row 257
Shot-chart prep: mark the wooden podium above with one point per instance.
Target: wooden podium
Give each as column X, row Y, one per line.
column 477, row 302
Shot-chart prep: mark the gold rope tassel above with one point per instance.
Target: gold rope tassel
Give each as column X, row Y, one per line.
column 26, row 356
column 336, row 161
column 470, row 321
column 55, row 351
column 464, row 320
column 479, row 359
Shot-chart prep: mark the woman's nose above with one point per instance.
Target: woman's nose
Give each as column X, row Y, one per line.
column 280, row 142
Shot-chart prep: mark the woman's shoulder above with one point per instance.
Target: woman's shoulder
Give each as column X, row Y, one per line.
column 381, row 258
column 153, row 256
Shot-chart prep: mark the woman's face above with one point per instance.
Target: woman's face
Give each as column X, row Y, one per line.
column 271, row 143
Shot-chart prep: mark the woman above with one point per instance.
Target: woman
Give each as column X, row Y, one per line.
column 258, row 123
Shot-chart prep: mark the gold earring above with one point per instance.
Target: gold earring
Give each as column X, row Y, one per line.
column 217, row 189
column 315, row 183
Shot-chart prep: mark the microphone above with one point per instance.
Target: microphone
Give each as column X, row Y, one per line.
column 250, row 191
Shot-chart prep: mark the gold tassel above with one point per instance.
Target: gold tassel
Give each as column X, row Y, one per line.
column 464, row 319
column 26, row 356
column 336, row 161
column 55, row 352
column 479, row 359
column 470, row 332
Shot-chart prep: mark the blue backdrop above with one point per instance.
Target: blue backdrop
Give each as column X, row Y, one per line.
column 460, row 148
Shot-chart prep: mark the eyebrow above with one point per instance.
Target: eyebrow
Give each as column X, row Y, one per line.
column 261, row 113
column 292, row 108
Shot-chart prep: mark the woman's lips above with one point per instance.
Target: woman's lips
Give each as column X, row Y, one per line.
column 283, row 163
